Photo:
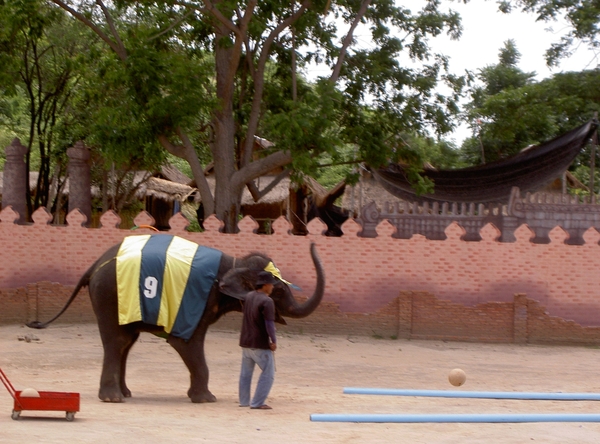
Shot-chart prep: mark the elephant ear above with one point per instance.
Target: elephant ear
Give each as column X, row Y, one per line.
column 237, row 282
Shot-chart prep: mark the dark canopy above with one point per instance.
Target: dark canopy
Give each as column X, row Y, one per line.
column 529, row 170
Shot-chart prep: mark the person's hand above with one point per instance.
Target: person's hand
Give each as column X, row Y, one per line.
column 273, row 346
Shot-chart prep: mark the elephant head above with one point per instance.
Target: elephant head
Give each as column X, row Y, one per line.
column 238, row 281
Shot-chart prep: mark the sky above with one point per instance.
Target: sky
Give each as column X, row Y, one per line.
column 485, row 30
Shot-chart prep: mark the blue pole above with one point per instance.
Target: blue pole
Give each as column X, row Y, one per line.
column 461, row 394
column 462, row 418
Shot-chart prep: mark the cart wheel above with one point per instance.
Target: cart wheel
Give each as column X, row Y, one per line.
column 15, row 414
column 70, row 416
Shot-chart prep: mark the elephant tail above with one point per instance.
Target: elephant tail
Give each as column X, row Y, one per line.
column 83, row 282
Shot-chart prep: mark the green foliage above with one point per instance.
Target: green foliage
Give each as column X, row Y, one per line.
column 342, row 168
column 582, row 173
column 13, row 117
column 505, row 74
column 180, row 164
column 330, row 176
column 194, row 226
column 440, row 154
column 306, row 126
column 129, row 104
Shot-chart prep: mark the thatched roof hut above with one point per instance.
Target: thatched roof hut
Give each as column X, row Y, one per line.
column 278, row 195
column 270, row 206
column 172, row 174
column 167, row 190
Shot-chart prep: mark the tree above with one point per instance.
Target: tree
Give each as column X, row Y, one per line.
column 38, row 47
column 255, row 51
column 505, row 74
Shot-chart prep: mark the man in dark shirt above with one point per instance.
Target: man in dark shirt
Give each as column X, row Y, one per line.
column 258, row 342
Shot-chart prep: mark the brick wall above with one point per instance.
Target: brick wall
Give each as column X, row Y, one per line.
column 434, row 318
column 411, row 315
column 364, row 275
column 42, row 301
column 420, row 315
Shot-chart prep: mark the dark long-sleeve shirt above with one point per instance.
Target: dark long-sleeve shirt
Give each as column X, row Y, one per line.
column 258, row 308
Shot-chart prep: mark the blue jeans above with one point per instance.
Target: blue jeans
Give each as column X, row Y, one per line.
column 266, row 362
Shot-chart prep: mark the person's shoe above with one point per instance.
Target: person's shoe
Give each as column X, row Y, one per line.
column 262, row 407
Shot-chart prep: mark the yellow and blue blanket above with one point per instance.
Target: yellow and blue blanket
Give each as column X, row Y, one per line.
column 165, row 280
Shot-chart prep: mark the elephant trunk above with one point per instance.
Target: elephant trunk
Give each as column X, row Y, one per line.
column 295, row 310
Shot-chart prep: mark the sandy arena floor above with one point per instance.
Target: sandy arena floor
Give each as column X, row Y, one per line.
column 312, row 371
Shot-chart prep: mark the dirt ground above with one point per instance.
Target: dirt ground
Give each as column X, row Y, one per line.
column 312, row 371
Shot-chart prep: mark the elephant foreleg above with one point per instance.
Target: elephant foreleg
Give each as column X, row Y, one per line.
column 112, row 380
column 192, row 353
column 124, row 389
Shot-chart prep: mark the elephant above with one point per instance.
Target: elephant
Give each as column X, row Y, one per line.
column 233, row 279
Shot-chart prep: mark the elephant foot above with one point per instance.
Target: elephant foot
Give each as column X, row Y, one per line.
column 126, row 392
column 107, row 399
column 202, row 397
column 107, row 396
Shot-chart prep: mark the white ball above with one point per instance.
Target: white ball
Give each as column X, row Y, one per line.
column 30, row 393
column 457, row 377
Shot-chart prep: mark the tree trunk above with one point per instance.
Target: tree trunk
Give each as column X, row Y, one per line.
column 227, row 198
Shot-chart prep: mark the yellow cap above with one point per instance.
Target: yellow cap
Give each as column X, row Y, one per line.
column 271, row 268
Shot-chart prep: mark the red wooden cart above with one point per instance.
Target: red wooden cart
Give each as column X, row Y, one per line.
column 47, row 401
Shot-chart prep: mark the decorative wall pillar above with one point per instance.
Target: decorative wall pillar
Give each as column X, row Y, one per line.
column 520, row 318
column 405, row 301
column 80, row 190
column 14, row 189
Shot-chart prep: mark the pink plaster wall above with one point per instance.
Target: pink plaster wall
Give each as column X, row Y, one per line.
column 363, row 274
